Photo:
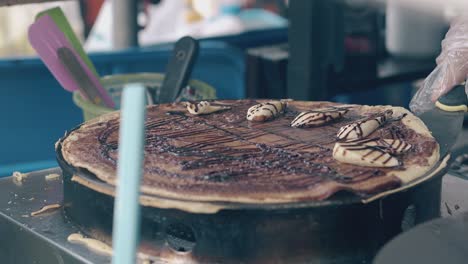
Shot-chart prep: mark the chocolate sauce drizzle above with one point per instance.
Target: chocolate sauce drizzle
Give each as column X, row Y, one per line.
column 207, row 149
column 383, row 152
column 379, row 118
column 269, row 107
column 319, row 116
column 204, row 150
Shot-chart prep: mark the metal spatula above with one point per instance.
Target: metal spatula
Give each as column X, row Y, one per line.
column 63, row 24
column 445, row 121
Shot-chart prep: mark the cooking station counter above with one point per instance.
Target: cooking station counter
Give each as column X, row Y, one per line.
column 43, row 238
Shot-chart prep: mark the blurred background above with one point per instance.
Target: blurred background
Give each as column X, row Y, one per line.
column 158, row 21
column 350, row 51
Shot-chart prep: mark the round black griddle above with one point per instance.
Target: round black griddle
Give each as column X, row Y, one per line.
column 341, row 229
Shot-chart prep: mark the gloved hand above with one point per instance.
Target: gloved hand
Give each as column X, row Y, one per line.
column 452, row 68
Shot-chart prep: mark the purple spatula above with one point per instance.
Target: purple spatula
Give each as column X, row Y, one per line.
column 47, row 39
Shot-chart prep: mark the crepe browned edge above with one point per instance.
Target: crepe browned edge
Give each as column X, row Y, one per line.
column 404, row 176
column 212, row 208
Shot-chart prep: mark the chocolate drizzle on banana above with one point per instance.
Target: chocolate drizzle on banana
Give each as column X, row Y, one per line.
column 318, row 117
column 365, row 127
column 364, row 155
column 392, row 146
column 266, row 111
column 203, row 108
column 374, row 152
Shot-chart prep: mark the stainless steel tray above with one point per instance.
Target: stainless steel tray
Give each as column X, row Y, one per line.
column 43, row 238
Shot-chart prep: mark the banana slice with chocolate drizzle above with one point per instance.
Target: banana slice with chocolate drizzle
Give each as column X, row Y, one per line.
column 318, row 117
column 204, row 107
column 374, row 152
column 364, row 155
column 266, row 111
column 365, row 127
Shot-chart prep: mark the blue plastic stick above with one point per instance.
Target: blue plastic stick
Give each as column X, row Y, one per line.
column 126, row 207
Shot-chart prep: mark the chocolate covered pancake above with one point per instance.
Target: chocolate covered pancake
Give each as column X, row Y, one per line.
column 260, row 151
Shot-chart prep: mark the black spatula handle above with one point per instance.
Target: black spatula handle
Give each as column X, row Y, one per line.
column 179, row 69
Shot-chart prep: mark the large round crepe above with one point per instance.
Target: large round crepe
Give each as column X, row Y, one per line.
column 223, row 157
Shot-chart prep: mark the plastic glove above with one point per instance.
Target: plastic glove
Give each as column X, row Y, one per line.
column 452, row 68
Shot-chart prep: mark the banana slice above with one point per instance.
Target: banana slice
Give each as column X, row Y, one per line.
column 318, row 117
column 204, row 107
column 265, row 111
column 364, row 155
column 363, row 128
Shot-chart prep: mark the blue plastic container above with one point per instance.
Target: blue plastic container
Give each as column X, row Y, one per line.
column 36, row 111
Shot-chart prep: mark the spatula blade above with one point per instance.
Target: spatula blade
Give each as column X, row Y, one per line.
column 445, row 127
column 62, row 23
column 46, row 38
